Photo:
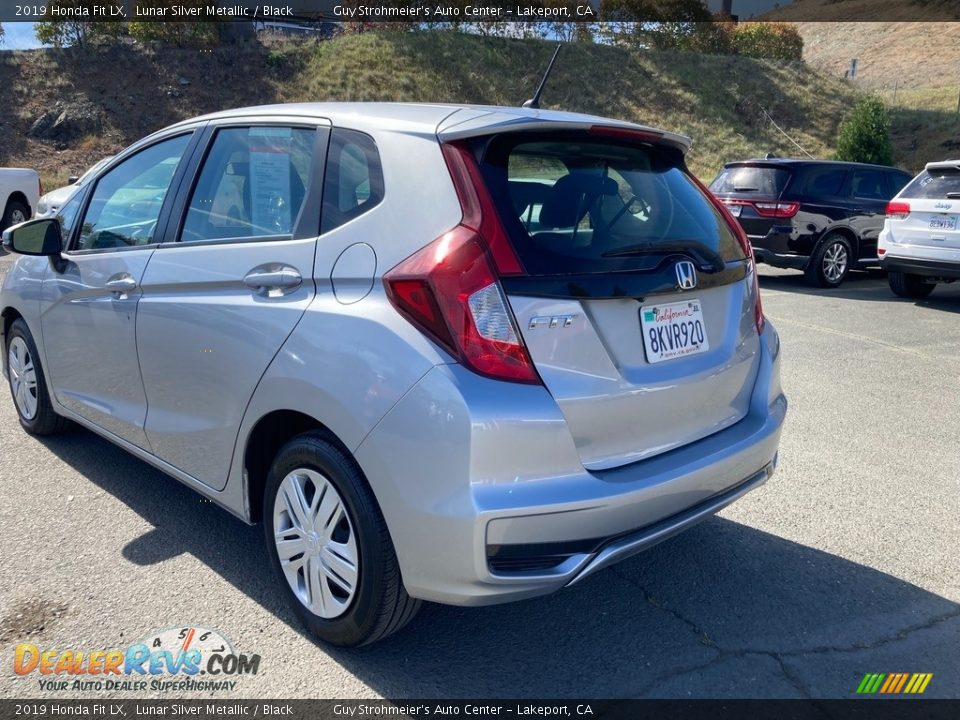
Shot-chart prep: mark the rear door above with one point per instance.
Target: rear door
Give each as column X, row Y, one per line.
column 870, row 192
column 219, row 302
column 637, row 303
column 934, row 202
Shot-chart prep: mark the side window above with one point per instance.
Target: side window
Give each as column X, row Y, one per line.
column 354, row 178
column 253, row 184
column 869, row 184
column 68, row 215
column 823, row 181
column 126, row 201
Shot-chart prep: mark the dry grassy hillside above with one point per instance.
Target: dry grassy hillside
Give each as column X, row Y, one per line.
column 889, row 10
column 121, row 93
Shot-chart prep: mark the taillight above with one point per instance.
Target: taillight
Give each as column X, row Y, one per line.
column 450, row 289
column 777, row 209
column 626, row 133
column 897, row 209
column 745, row 245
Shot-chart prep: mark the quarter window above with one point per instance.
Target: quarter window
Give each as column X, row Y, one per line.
column 253, row 184
column 126, row 203
column 354, row 179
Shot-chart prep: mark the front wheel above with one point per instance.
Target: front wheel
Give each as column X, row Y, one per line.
column 909, row 286
column 14, row 214
column 830, row 263
column 329, row 546
column 28, row 386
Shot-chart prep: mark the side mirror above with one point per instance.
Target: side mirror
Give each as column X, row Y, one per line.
column 35, row 237
column 72, row 180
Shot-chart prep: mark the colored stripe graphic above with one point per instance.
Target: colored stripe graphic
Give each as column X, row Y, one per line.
column 894, row 683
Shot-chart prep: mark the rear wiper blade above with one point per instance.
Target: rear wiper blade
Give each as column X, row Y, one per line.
column 708, row 260
column 745, row 188
column 953, row 195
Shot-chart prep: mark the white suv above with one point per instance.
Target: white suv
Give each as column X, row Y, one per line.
column 920, row 242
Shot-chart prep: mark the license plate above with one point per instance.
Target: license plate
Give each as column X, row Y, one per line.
column 946, row 222
column 673, row 330
column 735, row 210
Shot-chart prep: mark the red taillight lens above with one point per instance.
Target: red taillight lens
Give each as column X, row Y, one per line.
column 777, row 209
column 625, row 133
column 450, row 288
column 898, row 210
column 744, row 241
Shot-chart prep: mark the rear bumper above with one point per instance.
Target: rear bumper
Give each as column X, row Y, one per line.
column 487, row 502
column 775, row 249
column 920, row 266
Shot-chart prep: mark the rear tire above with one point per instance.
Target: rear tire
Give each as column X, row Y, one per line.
column 28, row 385
column 830, row 263
column 909, row 286
column 15, row 213
column 340, row 572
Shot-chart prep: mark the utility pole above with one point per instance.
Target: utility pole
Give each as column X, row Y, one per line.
column 727, row 8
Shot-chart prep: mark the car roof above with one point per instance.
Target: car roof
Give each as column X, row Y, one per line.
column 448, row 120
column 806, row 161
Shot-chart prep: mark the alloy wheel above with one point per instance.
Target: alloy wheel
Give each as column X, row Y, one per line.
column 17, row 216
column 23, row 378
column 316, row 543
column 835, row 262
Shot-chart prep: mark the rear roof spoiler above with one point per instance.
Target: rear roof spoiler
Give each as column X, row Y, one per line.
column 943, row 165
column 479, row 122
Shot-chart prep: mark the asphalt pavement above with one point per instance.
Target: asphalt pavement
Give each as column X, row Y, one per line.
column 845, row 563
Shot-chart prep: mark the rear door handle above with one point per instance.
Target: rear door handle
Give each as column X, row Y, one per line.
column 273, row 279
column 120, row 285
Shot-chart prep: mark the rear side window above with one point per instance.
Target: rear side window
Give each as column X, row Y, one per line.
column 354, row 178
column 575, row 204
column 870, row 184
column 820, row 181
column 933, row 184
column 253, row 184
column 763, row 180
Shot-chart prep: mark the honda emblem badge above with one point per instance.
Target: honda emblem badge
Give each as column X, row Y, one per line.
column 686, row 275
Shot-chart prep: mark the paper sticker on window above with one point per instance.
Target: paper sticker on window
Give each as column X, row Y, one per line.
column 270, row 181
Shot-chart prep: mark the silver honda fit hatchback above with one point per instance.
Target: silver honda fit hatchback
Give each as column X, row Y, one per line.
column 460, row 354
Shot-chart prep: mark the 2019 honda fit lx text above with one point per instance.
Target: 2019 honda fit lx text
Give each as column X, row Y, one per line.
column 458, row 354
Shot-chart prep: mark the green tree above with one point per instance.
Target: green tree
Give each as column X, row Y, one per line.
column 864, row 134
column 200, row 32
column 75, row 26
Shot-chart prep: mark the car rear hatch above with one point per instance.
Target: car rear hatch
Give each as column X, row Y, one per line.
column 752, row 192
column 926, row 213
column 630, row 286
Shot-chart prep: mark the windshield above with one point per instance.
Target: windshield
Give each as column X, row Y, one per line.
column 576, row 204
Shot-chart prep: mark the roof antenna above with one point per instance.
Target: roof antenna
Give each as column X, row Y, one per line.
column 534, row 102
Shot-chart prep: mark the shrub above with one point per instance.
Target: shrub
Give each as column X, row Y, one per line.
column 864, row 134
column 777, row 41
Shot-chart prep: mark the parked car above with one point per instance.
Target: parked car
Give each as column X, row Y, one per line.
column 920, row 242
column 50, row 203
column 19, row 191
column 421, row 391
column 822, row 217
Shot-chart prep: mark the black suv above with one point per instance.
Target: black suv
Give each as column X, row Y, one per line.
column 819, row 216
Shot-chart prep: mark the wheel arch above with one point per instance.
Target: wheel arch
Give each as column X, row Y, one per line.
column 270, row 433
column 847, row 233
column 9, row 316
column 17, row 196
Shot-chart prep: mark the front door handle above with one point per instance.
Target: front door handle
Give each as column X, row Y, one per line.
column 273, row 279
column 120, row 285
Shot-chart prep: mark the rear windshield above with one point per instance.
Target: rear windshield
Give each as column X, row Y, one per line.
column 933, row 184
column 573, row 203
column 759, row 179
